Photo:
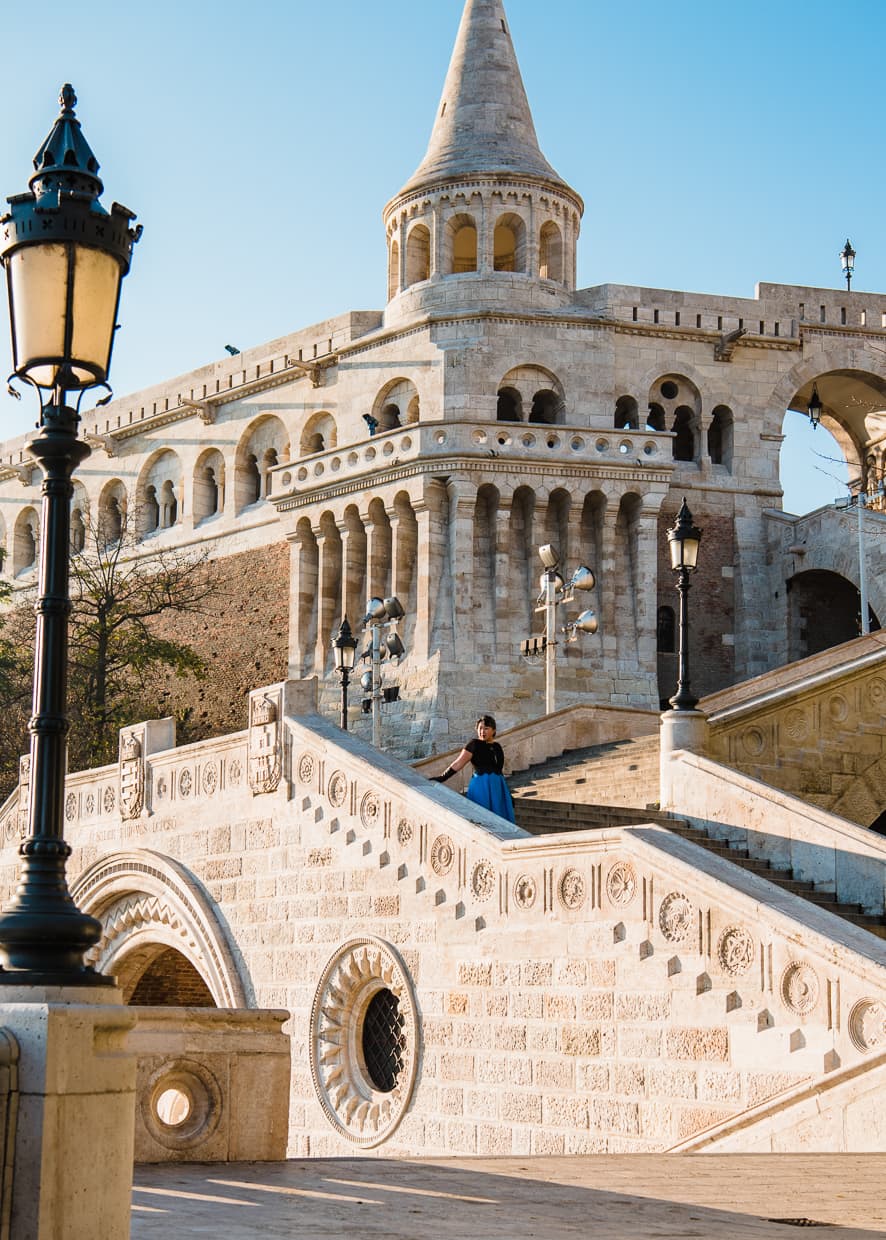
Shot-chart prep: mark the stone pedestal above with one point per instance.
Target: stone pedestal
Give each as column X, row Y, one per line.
column 72, row 1171
column 680, row 729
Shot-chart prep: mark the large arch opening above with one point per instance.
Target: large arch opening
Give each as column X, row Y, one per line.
column 166, row 979
column 824, row 611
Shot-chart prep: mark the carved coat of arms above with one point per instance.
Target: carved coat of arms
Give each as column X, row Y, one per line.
column 265, row 745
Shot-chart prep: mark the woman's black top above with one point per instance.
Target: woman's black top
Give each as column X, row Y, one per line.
column 487, row 757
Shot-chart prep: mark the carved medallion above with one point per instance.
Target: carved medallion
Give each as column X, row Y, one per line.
column 89, row 804
column 753, row 742
column 404, row 832
column 525, row 891
column 210, row 778
column 838, row 708
column 70, row 806
column 110, row 800
column 337, row 789
column 185, row 782
column 877, row 692
column 621, row 883
column 132, row 776
column 572, row 890
column 442, row 855
column 306, row 768
column 867, row 1025
column 235, row 771
column 796, row 725
column 370, row 810
column 799, row 988
column 364, row 1087
column 483, row 880
column 675, row 917
column 735, row 951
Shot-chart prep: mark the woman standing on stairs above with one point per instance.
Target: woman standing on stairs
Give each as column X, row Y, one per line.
column 487, row 786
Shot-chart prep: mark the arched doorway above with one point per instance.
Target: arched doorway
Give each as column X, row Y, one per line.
column 823, row 612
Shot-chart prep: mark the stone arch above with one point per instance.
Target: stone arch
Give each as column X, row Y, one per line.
column 396, row 404
column 721, row 437
column 680, row 401
column 112, row 511
column 853, row 406
column 158, row 492
column 319, row 434
column 393, row 269
column 534, row 388
column 461, row 244
column 418, row 254
column 509, row 243
column 148, row 903
column 264, row 444
column 627, row 414
column 209, row 485
column 25, row 541
column 830, row 601
column 550, row 252
column 79, row 518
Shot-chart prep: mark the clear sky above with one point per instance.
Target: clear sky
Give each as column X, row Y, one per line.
column 714, row 144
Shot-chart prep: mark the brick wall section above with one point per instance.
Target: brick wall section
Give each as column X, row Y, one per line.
column 171, row 981
column 242, row 634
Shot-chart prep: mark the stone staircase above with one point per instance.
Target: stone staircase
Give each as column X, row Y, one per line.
column 618, row 773
column 543, row 817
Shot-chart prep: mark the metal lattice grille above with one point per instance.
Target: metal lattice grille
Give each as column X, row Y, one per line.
column 383, row 1040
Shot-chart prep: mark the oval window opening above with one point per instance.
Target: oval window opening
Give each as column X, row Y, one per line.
column 383, row 1040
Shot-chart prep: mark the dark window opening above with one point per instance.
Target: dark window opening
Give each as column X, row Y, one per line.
column 384, row 1043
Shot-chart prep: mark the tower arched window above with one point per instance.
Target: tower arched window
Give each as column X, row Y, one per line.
column 510, row 405
column 626, row 414
column 720, row 437
column 550, row 253
column 684, row 448
column 418, row 255
column 545, row 407
column 464, row 247
column 394, row 270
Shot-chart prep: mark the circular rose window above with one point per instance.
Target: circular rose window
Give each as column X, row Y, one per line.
column 364, row 1040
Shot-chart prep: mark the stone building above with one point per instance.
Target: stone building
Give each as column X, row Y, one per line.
column 509, row 409
column 602, row 981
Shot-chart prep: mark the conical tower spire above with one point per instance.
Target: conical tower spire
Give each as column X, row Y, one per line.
column 483, row 124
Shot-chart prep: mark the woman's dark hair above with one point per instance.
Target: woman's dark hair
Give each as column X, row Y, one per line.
column 487, row 721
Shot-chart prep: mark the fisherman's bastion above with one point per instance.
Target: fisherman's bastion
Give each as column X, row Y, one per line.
column 680, row 945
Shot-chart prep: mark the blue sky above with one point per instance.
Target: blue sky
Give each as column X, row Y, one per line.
column 714, row 144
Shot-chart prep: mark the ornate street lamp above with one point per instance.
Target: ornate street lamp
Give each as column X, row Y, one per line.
column 344, row 648
column 683, row 540
column 847, row 260
column 65, row 257
column 814, row 407
column 554, row 591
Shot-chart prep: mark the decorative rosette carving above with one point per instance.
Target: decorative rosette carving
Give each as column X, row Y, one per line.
column 483, row 880
column 735, row 951
column 442, row 855
column 676, row 917
column 621, row 883
column 337, row 789
column 800, row 988
column 525, row 891
column 572, row 890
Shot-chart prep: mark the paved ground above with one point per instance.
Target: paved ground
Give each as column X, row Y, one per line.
column 614, row 1197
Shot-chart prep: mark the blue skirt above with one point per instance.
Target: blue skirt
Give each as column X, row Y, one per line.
column 492, row 793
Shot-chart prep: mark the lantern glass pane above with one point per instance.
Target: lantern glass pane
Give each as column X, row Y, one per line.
column 690, row 552
column 96, row 282
column 38, row 284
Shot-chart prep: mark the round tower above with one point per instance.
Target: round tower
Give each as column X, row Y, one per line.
column 484, row 220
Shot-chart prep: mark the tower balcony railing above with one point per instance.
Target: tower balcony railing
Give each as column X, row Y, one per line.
column 512, row 443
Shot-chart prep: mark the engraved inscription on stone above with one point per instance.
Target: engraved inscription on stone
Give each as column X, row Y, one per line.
column 867, row 1025
column 442, row 855
column 621, row 883
column 525, row 891
column 735, row 951
column 799, row 988
column 572, row 890
column 675, row 917
column 483, row 880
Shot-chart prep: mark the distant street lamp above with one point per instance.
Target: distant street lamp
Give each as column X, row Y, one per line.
column 683, row 540
column 381, row 612
column 65, row 258
column 344, row 648
column 813, row 409
column 847, row 259
column 554, row 591
column 859, row 501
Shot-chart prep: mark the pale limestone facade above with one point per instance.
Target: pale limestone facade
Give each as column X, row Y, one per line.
column 511, row 409
column 611, row 990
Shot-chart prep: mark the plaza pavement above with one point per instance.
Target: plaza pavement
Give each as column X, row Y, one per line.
column 601, row 1197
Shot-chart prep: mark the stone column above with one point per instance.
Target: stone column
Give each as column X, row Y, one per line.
column 328, row 594
column 485, row 241
column 532, row 257
column 74, row 1138
column 402, row 272
column 353, row 572
column 505, row 642
column 302, row 603
column 609, row 584
column 462, row 505
column 430, row 567
column 378, row 552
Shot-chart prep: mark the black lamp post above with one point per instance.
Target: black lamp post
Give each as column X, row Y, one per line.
column 683, row 540
column 344, row 647
column 847, row 259
column 65, row 257
column 814, row 407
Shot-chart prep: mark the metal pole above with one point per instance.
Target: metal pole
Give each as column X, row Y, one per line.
column 376, row 685
column 43, row 935
column 860, row 501
column 550, row 641
column 345, row 677
column 683, row 699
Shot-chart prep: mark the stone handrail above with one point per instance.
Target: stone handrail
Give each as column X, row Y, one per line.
column 9, row 1056
column 834, row 853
